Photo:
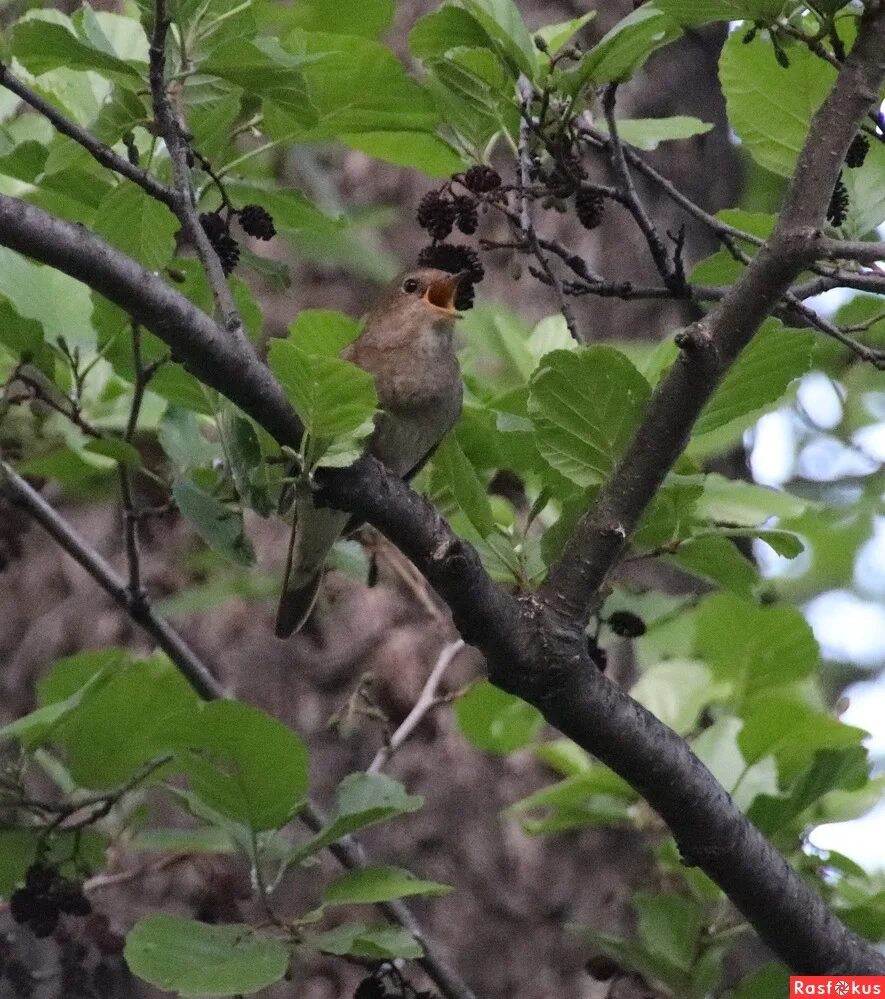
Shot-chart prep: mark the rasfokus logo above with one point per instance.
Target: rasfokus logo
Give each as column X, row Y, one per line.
column 837, row 985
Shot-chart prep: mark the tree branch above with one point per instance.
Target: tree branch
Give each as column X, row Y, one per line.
column 98, row 150
column 711, row 345
column 171, row 130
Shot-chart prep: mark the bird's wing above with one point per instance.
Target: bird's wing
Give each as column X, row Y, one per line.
column 314, row 532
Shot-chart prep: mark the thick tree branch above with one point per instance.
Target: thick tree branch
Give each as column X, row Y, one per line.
column 712, row 345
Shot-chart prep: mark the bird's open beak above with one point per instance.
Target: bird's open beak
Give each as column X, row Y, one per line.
column 441, row 294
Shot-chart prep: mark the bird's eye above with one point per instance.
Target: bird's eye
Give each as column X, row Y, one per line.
column 410, row 285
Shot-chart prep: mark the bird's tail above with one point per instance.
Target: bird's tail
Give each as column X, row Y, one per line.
column 313, row 534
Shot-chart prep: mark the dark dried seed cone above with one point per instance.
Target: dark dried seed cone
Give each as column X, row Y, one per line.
column 453, row 257
column 857, row 151
column 590, row 208
column 24, row 905
column 436, row 214
column 837, row 210
column 257, row 222
column 213, row 225
column 466, row 215
column 370, row 988
column 481, row 179
column 626, row 624
column 39, row 877
column 71, row 900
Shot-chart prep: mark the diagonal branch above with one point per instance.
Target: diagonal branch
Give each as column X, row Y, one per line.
column 712, row 345
column 98, row 150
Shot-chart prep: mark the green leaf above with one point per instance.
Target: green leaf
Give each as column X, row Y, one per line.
column 220, row 526
column 718, row 749
column 845, row 769
column 649, row 133
column 245, row 460
column 448, row 28
column 778, row 725
column 292, row 212
column 551, row 333
column 358, row 88
column 460, row 477
column 669, row 518
column 362, row 940
column 243, row 763
column 677, row 691
column 192, row 958
column 718, row 560
column 669, row 926
column 503, row 22
column 774, row 357
column 368, row 18
column 262, row 67
column 39, row 726
column 361, row 800
column 866, row 194
column 180, row 437
column 585, row 406
column 18, row 334
column 732, row 501
column 621, row 52
column 495, row 721
column 771, row 107
column 322, row 331
column 118, row 450
column 123, row 723
column 379, row 884
column 559, row 34
column 693, row 13
column 335, row 400
column 754, row 648
column 496, row 347
column 41, row 46
column 771, row 980
column 425, row 152
column 59, row 302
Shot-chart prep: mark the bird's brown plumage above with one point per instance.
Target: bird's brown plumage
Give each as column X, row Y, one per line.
column 406, row 345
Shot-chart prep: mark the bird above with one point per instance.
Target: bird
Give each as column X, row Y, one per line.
column 407, row 345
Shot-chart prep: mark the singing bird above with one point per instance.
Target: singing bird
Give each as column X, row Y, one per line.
column 407, row 346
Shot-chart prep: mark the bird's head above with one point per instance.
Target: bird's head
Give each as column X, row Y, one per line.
column 425, row 294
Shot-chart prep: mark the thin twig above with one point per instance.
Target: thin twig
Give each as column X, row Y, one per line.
column 350, row 854
column 671, row 190
column 170, row 128
column 525, row 220
column 131, row 517
column 427, row 700
column 632, row 200
column 98, row 150
column 837, row 249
